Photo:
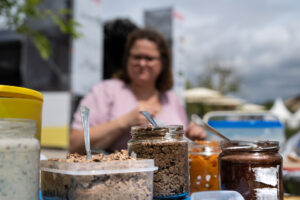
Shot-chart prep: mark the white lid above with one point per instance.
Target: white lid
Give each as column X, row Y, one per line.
column 217, row 195
column 99, row 168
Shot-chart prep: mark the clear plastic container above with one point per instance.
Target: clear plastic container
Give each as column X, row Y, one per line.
column 217, row 195
column 204, row 167
column 169, row 150
column 246, row 126
column 111, row 180
column 19, row 159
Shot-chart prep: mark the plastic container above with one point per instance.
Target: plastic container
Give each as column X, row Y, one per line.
column 114, row 180
column 19, row 160
column 217, row 195
column 254, row 169
column 246, row 126
column 19, row 102
column 169, row 150
column 204, row 167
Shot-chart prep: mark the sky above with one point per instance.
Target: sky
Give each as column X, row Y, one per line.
column 260, row 38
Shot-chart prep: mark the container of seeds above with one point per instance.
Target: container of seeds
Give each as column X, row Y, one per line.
column 113, row 177
column 169, row 150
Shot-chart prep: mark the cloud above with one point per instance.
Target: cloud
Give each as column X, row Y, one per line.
column 261, row 38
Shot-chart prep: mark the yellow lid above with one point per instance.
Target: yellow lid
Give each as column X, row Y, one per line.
column 19, row 92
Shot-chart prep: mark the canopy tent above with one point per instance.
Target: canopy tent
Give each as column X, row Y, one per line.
column 295, row 120
column 279, row 109
column 209, row 97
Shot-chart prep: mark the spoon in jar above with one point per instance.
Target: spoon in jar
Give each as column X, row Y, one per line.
column 84, row 113
column 149, row 118
column 197, row 120
column 152, row 121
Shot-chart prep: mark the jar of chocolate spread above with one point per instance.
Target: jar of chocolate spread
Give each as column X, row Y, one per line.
column 169, row 150
column 253, row 169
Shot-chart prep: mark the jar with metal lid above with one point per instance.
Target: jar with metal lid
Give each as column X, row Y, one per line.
column 20, row 159
column 253, row 169
column 204, row 168
column 169, row 150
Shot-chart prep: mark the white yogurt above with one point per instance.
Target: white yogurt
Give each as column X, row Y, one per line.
column 20, row 159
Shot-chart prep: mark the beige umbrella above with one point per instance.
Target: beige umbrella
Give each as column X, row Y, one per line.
column 251, row 107
column 224, row 101
column 200, row 95
column 210, row 97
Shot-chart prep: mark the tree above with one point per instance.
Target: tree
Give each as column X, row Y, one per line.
column 222, row 78
column 188, row 84
column 17, row 12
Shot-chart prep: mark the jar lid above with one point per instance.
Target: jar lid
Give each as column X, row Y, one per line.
column 238, row 145
column 148, row 130
column 19, row 92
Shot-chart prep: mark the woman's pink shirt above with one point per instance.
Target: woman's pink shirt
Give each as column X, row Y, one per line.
column 112, row 98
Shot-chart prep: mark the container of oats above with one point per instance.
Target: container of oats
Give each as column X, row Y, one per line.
column 169, row 150
column 112, row 177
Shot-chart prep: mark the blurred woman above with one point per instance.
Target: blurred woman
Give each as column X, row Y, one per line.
column 143, row 84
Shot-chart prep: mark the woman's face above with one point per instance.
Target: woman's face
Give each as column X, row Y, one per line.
column 144, row 63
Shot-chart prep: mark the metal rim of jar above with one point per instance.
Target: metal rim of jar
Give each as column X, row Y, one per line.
column 205, row 147
column 157, row 131
column 255, row 146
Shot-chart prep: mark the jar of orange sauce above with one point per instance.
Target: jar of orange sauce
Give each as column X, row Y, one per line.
column 204, row 170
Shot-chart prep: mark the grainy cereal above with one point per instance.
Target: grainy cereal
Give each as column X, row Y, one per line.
column 170, row 154
column 113, row 186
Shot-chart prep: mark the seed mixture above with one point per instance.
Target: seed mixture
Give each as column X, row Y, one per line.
column 127, row 186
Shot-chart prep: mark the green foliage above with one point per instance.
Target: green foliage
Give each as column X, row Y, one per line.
column 268, row 104
column 188, row 84
column 201, row 109
column 17, row 13
column 290, row 132
column 222, row 78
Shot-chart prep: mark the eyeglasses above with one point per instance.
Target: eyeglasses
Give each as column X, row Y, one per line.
column 146, row 58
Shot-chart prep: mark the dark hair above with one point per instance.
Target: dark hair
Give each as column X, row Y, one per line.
column 115, row 35
column 164, row 81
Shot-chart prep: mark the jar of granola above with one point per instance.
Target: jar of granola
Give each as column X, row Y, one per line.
column 204, row 170
column 252, row 168
column 19, row 159
column 169, row 150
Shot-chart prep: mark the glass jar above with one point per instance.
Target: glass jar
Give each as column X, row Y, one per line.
column 20, row 159
column 169, row 150
column 253, row 169
column 204, row 170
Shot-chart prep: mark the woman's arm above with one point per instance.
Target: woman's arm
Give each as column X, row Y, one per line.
column 195, row 132
column 103, row 135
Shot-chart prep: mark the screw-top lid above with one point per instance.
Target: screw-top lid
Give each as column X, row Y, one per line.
column 19, row 92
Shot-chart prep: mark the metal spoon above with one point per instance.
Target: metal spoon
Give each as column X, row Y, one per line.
column 197, row 120
column 151, row 120
column 85, row 114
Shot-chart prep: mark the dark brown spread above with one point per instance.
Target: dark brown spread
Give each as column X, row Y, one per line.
column 253, row 169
